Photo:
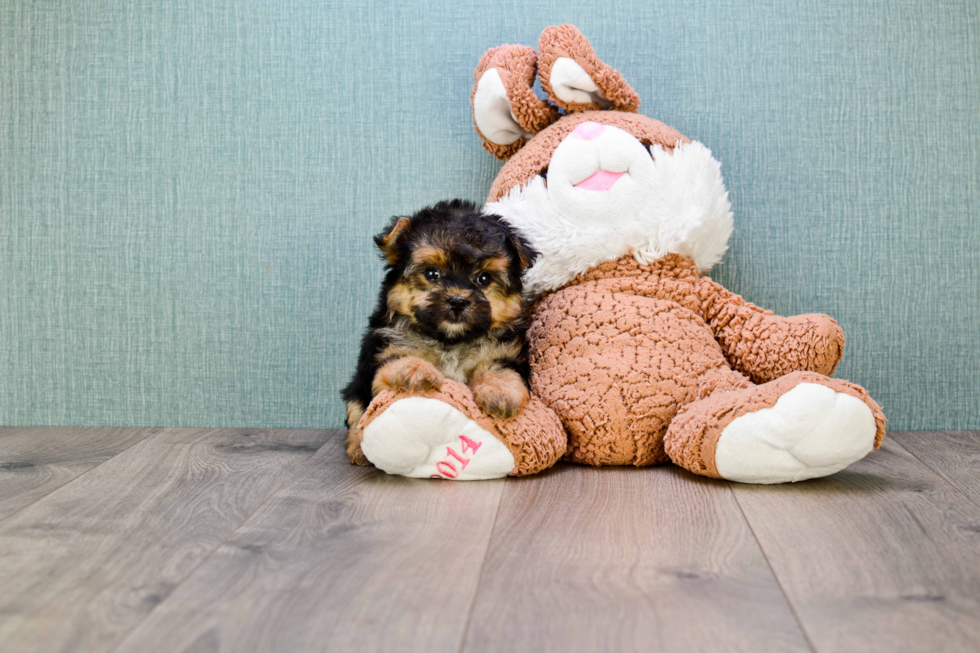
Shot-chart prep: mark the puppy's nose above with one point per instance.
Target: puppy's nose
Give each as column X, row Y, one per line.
column 458, row 303
column 588, row 130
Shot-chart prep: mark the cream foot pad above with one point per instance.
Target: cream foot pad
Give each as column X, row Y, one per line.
column 812, row 431
column 427, row 438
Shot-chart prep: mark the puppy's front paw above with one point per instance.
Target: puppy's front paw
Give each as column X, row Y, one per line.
column 408, row 374
column 352, row 445
column 500, row 395
column 354, row 453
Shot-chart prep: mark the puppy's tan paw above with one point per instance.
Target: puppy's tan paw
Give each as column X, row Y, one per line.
column 408, row 374
column 352, row 444
column 501, row 395
column 357, row 457
column 353, row 447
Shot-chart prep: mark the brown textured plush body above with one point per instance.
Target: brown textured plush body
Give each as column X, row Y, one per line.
column 622, row 350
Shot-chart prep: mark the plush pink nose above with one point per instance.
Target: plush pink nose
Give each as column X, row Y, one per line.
column 588, row 130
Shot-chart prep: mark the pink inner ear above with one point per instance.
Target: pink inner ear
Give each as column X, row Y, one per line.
column 588, row 130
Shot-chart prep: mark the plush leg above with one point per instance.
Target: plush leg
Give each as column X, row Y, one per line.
column 799, row 426
column 443, row 434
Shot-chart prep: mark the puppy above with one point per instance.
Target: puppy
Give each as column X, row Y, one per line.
column 450, row 307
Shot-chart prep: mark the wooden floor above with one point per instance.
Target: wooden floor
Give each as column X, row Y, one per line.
column 149, row 540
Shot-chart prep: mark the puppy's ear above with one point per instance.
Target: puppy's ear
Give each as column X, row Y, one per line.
column 526, row 255
column 388, row 240
column 506, row 111
column 574, row 77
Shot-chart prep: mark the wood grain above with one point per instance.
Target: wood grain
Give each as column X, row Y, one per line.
column 342, row 558
column 617, row 559
column 38, row 460
column 85, row 564
column 884, row 556
column 230, row 540
column 954, row 455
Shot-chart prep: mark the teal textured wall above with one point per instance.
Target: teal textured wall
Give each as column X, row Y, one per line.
column 188, row 188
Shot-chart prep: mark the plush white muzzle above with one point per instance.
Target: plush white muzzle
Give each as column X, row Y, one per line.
column 606, row 195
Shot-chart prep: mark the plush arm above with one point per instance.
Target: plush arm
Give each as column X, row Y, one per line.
column 765, row 346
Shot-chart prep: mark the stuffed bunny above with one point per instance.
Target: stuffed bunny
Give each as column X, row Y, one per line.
column 637, row 358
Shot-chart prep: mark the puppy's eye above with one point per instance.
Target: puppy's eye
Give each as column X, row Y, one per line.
column 432, row 274
column 484, row 279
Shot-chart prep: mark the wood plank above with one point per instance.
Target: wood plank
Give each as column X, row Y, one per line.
column 884, row 556
column 36, row 461
column 954, row 455
column 342, row 558
column 84, row 565
column 586, row 559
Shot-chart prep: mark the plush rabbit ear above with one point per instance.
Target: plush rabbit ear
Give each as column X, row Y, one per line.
column 574, row 77
column 506, row 111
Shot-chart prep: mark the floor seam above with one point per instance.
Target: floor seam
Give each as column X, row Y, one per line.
column 479, row 579
column 775, row 576
column 159, row 430
column 935, row 471
column 231, row 534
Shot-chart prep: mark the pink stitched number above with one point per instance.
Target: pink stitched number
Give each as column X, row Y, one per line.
column 448, row 465
column 446, row 468
column 470, row 444
column 463, row 461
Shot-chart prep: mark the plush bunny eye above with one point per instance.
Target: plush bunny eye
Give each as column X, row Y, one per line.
column 432, row 274
column 484, row 279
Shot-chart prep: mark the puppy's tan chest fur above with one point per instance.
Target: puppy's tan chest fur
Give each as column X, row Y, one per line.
column 458, row 362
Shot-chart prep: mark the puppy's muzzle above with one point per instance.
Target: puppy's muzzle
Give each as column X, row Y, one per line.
column 458, row 305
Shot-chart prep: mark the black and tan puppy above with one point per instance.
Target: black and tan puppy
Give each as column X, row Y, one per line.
column 450, row 307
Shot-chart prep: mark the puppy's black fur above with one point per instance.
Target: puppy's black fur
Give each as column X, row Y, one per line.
column 451, row 296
